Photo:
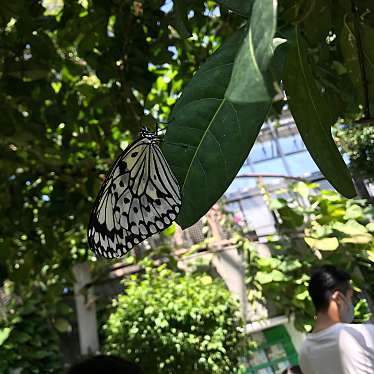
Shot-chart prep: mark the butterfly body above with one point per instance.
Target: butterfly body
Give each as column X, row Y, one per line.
column 139, row 197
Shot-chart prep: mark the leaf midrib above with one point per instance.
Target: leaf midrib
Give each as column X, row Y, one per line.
column 201, row 141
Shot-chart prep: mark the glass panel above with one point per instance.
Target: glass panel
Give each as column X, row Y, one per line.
column 301, row 164
column 325, row 185
column 241, row 184
column 258, row 216
column 263, row 151
column 271, row 166
column 232, row 207
column 291, row 143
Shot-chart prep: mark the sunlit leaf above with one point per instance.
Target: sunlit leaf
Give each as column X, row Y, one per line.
column 325, row 244
column 358, row 239
column 351, row 227
column 4, row 334
column 353, row 212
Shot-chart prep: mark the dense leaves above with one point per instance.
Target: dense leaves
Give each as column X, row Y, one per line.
column 358, row 143
column 75, row 80
column 29, row 326
column 172, row 323
column 331, row 230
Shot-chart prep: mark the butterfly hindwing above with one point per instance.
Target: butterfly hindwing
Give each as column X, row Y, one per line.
column 139, row 197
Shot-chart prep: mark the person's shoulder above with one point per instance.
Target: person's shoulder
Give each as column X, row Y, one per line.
column 303, row 346
column 359, row 327
column 303, row 352
column 356, row 334
column 307, row 344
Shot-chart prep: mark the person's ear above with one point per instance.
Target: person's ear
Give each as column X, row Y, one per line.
column 337, row 297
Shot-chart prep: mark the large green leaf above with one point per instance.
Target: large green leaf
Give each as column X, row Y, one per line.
column 209, row 137
column 314, row 117
column 248, row 83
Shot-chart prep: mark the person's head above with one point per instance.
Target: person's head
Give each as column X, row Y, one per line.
column 293, row 370
column 103, row 364
column 331, row 293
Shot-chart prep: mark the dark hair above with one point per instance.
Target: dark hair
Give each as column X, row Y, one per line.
column 293, row 370
column 103, row 364
column 324, row 281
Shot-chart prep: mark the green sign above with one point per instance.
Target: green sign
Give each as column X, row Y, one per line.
column 275, row 352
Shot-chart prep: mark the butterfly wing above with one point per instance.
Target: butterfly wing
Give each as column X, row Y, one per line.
column 139, row 197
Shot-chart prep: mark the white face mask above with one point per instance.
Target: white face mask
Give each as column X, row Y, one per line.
column 347, row 315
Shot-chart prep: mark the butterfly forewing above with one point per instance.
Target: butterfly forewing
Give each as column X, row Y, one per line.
column 139, row 197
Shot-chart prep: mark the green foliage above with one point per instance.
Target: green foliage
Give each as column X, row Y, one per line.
column 29, row 327
column 211, row 120
column 209, row 161
column 358, row 143
column 76, row 78
column 75, row 81
column 172, row 323
column 329, row 76
column 334, row 230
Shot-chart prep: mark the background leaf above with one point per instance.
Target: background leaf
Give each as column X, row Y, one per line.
column 181, row 19
column 325, row 244
column 62, row 325
column 314, row 117
column 4, row 334
column 349, row 48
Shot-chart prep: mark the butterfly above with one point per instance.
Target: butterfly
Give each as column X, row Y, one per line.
column 139, row 197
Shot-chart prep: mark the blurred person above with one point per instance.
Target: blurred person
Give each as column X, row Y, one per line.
column 336, row 346
column 103, row 364
column 293, row 370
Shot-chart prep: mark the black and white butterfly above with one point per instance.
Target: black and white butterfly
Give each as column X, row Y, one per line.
column 139, row 197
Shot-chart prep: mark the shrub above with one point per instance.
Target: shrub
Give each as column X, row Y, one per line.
column 171, row 323
column 29, row 339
